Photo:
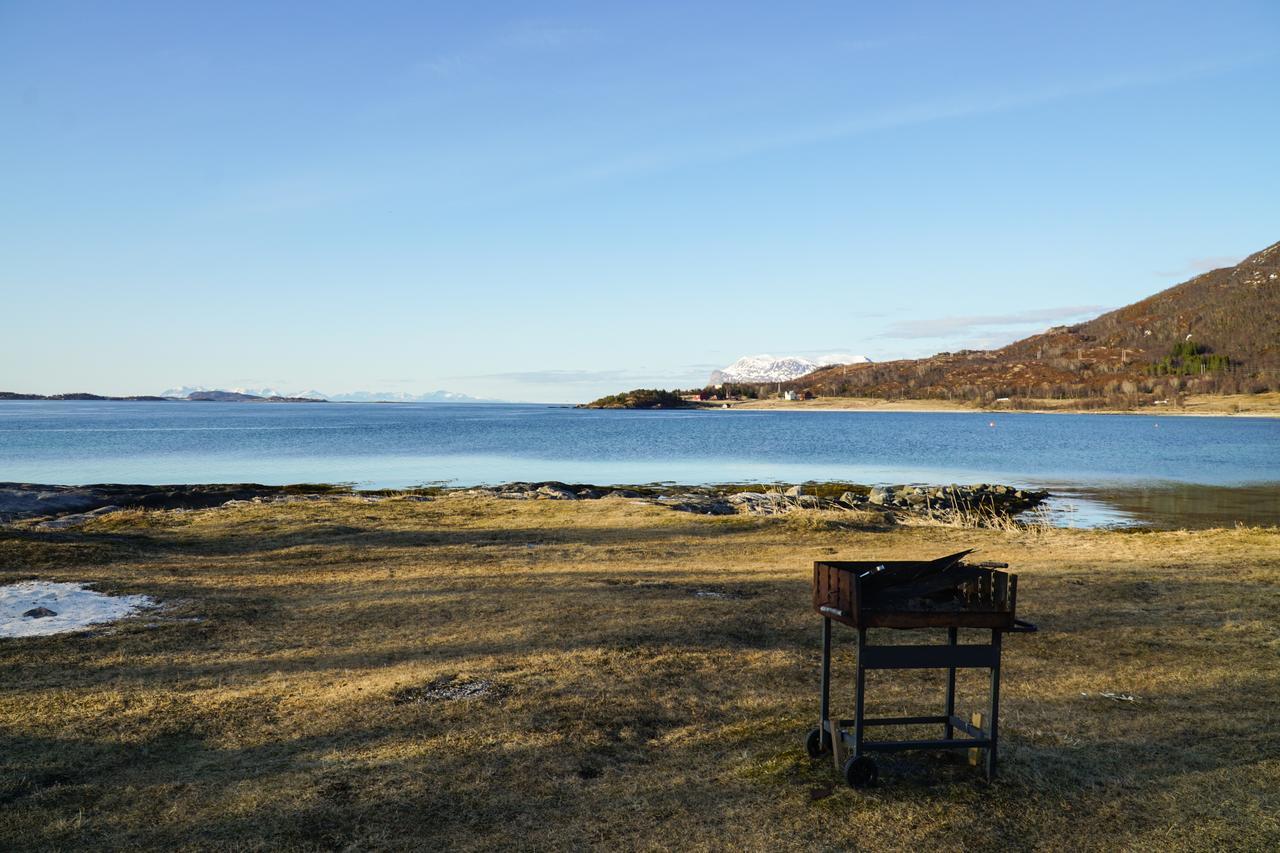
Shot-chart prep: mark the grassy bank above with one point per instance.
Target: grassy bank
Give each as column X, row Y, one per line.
column 638, row 678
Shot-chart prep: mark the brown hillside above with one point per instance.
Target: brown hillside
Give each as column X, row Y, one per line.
column 1234, row 311
column 1216, row 333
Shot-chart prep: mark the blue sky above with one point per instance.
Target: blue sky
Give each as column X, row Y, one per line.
column 554, row 201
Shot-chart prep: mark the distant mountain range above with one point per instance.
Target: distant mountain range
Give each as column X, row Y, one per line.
column 241, row 397
column 260, row 395
column 79, row 395
column 1217, row 333
column 403, row 397
column 767, row 368
column 186, row 392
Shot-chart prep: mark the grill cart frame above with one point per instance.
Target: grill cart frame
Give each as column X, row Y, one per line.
column 943, row 593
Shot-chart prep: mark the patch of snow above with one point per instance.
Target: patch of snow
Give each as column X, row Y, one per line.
column 186, row 390
column 75, row 605
column 841, row 358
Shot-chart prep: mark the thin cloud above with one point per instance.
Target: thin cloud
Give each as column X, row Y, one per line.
column 632, row 164
column 914, row 40
column 295, row 193
column 310, row 191
column 1196, row 266
column 313, row 189
column 544, row 36
column 842, row 349
column 979, row 324
column 521, row 39
column 553, row 377
column 643, row 376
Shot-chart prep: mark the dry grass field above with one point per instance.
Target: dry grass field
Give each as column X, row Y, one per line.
column 1266, row 404
column 472, row 673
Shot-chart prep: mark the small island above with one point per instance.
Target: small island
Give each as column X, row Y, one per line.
column 641, row 398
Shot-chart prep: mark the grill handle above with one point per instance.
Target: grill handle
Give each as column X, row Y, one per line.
column 832, row 611
column 1022, row 627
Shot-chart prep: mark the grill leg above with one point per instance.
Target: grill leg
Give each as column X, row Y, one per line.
column 949, row 731
column 857, row 696
column 826, row 683
column 994, row 707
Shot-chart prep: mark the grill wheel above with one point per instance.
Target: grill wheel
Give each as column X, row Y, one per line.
column 817, row 744
column 861, row 772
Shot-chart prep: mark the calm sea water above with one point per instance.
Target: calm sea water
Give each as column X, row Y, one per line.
column 1113, row 466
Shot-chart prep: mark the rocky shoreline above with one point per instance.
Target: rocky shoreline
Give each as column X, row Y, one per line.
column 58, row 507
column 34, row 500
column 943, row 502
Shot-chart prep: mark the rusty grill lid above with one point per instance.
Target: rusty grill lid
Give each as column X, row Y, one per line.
column 945, row 592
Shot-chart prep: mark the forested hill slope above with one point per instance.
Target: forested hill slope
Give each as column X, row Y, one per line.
column 1216, row 333
column 1234, row 311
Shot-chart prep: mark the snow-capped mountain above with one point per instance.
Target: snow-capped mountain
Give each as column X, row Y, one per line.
column 187, row 390
column 402, row 397
column 767, row 368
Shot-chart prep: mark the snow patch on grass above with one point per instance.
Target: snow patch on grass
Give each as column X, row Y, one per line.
column 75, row 606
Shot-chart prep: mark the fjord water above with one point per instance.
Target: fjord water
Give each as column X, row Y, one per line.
column 1169, row 470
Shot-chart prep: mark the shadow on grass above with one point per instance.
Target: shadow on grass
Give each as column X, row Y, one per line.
column 101, row 548
column 306, row 627
column 567, row 746
column 322, row 789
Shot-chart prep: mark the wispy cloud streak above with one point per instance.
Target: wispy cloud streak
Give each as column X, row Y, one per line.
column 978, row 104
column 942, row 327
column 688, row 374
column 525, row 38
column 555, row 377
column 1196, row 266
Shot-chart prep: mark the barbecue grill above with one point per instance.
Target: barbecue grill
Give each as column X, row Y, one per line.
column 944, row 593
